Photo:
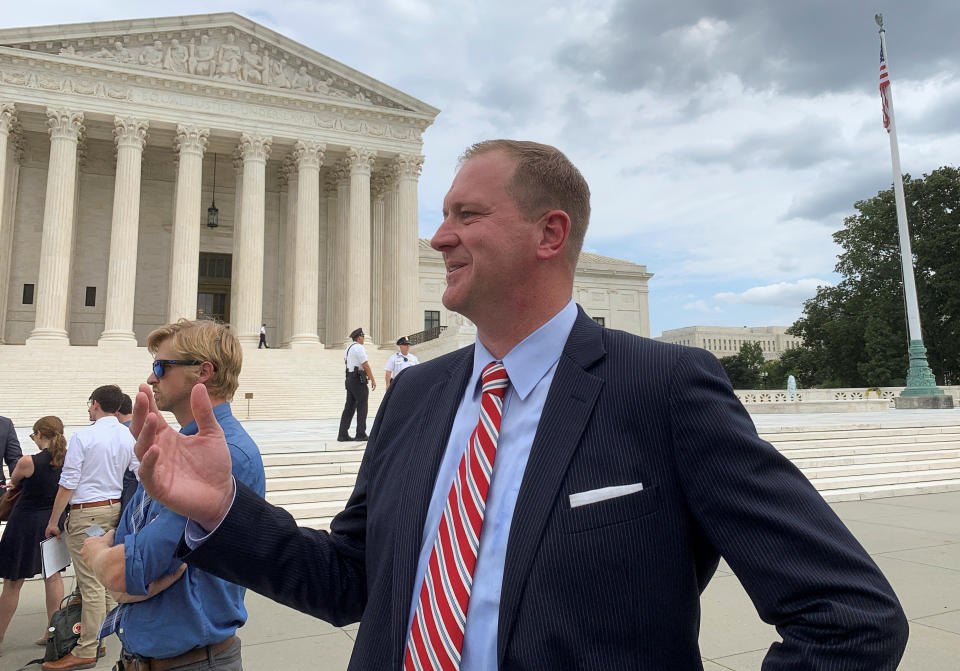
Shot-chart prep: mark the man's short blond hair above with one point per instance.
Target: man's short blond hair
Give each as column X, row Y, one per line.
column 205, row 340
column 544, row 180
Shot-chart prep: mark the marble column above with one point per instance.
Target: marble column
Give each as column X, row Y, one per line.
column 248, row 265
column 332, row 329
column 8, row 121
column 288, row 194
column 360, row 161
column 190, row 144
column 307, row 156
column 237, row 212
column 410, row 320
column 56, row 244
column 130, row 135
column 378, row 187
column 341, row 273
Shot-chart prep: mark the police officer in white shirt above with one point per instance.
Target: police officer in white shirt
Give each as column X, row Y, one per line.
column 358, row 372
column 400, row 360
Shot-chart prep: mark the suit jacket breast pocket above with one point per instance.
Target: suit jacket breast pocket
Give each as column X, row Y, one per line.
column 610, row 511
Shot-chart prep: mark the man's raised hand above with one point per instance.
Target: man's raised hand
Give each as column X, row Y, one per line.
column 190, row 475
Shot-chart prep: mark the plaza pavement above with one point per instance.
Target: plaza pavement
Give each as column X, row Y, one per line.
column 914, row 539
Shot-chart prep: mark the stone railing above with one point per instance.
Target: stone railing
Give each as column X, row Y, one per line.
column 840, row 394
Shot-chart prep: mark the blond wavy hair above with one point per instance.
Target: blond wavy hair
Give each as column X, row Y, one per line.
column 205, row 340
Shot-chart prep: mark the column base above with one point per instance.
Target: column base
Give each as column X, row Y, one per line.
column 117, row 338
column 249, row 341
column 304, row 341
column 47, row 336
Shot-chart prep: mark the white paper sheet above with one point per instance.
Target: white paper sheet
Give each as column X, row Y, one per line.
column 55, row 555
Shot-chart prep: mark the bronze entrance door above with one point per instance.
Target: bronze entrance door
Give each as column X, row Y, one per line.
column 213, row 287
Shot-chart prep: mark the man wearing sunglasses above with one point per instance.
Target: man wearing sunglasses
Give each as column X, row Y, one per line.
column 167, row 620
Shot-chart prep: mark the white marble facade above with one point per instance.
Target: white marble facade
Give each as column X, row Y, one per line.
column 110, row 136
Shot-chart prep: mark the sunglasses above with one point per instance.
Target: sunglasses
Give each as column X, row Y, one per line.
column 159, row 365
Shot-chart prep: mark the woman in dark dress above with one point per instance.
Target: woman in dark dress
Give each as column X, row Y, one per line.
column 38, row 476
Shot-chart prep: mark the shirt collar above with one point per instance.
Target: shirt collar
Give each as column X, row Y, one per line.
column 108, row 419
column 219, row 411
column 531, row 358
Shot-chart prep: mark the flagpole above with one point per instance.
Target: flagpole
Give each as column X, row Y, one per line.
column 920, row 379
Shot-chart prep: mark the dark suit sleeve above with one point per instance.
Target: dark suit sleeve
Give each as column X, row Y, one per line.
column 803, row 569
column 11, row 449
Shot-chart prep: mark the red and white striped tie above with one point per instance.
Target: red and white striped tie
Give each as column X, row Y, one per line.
column 436, row 635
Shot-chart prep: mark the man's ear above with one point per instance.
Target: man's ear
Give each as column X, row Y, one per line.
column 554, row 231
column 206, row 372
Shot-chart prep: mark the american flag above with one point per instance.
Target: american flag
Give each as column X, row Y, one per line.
column 885, row 90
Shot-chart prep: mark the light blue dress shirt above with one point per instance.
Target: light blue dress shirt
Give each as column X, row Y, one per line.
column 530, row 366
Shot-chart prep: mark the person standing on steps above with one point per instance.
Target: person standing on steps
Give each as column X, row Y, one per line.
column 263, row 337
column 399, row 361
column 358, row 372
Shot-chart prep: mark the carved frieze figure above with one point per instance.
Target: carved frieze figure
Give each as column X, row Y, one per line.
column 302, row 81
column 202, row 59
column 254, row 65
column 278, row 73
column 152, row 55
column 323, row 86
column 228, row 58
column 69, row 51
column 176, row 57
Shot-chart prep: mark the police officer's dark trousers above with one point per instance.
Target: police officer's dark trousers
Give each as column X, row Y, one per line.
column 357, row 394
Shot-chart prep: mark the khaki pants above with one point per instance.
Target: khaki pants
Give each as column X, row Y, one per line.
column 96, row 602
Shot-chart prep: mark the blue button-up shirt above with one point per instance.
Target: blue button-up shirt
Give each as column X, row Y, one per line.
column 530, row 366
column 198, row 609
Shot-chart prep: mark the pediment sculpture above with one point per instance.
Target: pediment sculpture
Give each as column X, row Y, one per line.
column 227, row 58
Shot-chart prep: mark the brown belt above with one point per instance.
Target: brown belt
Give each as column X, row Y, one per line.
column 93, row 504
column 137, row 663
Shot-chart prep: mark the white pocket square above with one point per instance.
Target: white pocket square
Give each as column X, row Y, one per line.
column 602, row 494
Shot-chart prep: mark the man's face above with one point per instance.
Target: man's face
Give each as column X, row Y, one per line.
column 91, row 410
column 173, row 389
column 488, row 248
column 360, row 339
column 404, row 350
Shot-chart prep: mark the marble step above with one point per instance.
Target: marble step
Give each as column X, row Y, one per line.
column 805, row 453
column 899, row 467
column 313, row 482
column 316, row 457
column 824, row 484
column 851, row 441
column 310, row 470
column 803, row 434
column 285, row 497
column 886, row 491
column 876, row 458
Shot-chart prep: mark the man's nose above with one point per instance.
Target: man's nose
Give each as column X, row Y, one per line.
column 444, row 238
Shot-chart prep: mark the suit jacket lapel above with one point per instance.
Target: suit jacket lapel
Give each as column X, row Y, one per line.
column 439, row 405
column 566, row 412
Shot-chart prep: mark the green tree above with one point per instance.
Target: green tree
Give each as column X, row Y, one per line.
column 745, row 368
column 855, row 333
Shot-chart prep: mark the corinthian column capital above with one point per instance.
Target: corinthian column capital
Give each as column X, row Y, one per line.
column 379, row 184
column 255, row 147
column 8, row 117
column 62, row 123
column 130, row 132
column 191, row 140
column 360, row 160
column 408, row 165
column 341, row 171
column 308, row 154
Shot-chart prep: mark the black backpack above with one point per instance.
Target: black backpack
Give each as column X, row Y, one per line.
column 64, row 630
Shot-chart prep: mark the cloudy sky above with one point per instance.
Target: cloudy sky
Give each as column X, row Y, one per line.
column 723, row 141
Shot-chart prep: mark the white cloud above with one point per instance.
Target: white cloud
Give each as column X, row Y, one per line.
column 701, row 306
column 783, row 294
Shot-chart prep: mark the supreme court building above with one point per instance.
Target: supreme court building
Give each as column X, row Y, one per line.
column 207, row 166
column 117, row 137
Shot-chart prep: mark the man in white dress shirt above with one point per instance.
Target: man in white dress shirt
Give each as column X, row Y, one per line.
column 91, row 482
column 399, row 361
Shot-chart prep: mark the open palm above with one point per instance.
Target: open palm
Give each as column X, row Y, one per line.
column 190, row 475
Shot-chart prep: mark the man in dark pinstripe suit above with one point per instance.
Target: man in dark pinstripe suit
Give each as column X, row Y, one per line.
column 625, row 468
